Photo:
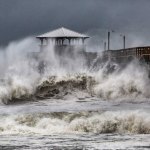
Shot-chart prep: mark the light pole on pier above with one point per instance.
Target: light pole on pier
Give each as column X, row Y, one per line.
column 108, row 40
column 104, row 46
column 124, row 41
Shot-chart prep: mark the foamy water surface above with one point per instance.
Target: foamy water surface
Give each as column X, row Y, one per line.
column 76, row 123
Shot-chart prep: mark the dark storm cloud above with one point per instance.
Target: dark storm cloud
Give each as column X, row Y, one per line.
column 20, row 18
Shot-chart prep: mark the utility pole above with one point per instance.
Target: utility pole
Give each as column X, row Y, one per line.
column 124, row 41
column 108, row 40
column 104, row 46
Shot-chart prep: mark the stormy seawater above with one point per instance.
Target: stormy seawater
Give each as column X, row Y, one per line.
column 70, row 105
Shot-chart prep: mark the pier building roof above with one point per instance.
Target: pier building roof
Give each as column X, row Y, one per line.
column 62, row 33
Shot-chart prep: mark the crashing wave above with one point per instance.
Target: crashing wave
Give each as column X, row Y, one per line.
column 50, row 87
column 131, row 82
column 15, row 89
column 106, row 86
column 55, row 86
column 80, row 122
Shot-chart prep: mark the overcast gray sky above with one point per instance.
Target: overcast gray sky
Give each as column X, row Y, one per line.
column 21, row 18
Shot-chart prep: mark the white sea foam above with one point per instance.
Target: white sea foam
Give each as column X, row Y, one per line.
column 131, row 82
column 107, row 122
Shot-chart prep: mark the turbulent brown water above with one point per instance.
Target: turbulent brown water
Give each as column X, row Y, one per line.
column 71, row 106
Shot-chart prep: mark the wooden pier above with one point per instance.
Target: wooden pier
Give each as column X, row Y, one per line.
column 128, row 54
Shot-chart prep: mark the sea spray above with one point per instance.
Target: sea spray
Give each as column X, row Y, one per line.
column 107, row 81
column 22, row 77
column 19, row 78
column 123, row 84
column 130, row 82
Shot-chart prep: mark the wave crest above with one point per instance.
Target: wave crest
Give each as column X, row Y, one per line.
column 54, row 86
column 122, row 84
column 91, row 122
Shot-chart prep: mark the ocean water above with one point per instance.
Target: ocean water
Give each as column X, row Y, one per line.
column 72, row 106
column 75, row 123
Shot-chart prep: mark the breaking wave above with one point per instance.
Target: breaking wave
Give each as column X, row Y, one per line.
column 131, row 82
column 80, row 122
column 124, row 84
